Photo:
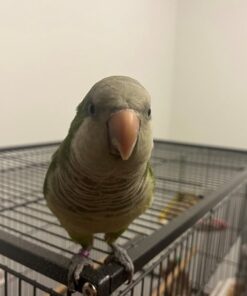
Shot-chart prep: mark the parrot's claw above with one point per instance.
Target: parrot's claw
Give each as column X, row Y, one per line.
column 78, row 262
column 121, row 256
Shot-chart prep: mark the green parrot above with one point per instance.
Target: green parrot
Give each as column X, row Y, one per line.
column 100, row 179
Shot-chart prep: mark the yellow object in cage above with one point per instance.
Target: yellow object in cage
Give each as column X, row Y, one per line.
column 178, row 204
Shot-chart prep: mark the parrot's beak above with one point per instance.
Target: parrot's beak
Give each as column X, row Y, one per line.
column 123, row 128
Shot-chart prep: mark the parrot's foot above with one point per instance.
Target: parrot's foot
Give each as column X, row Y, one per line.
column 121, row 256
column 78, row 262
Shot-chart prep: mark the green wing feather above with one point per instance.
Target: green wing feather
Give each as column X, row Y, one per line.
column 63, row 151
column 152, row 181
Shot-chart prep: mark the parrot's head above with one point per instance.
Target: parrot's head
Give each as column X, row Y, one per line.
column 112, row 127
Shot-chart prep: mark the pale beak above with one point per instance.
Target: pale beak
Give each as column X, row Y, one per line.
column 123, row 128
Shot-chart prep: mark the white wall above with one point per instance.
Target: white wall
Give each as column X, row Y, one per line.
column 53, row 51
column 210, row 73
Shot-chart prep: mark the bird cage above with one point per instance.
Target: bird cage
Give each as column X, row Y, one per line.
column 191, row 241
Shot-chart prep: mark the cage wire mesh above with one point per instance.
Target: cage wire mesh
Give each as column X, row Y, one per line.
column 194, row 263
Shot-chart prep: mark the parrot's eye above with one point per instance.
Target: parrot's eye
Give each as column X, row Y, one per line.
column 149, row 112
column 91, row 109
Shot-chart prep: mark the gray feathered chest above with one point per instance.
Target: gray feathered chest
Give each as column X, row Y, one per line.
column 108, row 195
